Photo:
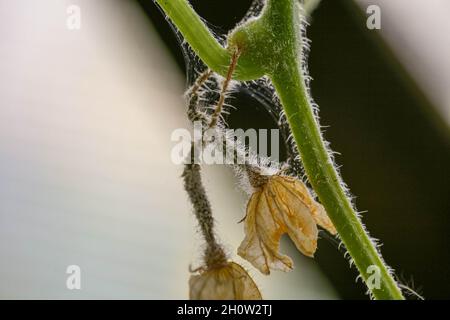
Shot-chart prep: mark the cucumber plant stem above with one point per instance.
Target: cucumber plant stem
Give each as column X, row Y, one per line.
column 270, row 46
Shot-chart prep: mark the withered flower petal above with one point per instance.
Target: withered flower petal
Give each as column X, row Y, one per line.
column 228, row 282
column 317, row 210
column 282, row 205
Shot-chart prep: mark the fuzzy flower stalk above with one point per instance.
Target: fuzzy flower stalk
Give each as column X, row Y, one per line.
column 218, row 278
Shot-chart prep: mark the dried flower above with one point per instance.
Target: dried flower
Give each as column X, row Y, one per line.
column 226, row 282
column 281, row 205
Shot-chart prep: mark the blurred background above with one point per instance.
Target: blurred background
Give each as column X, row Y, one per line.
column 86, row 176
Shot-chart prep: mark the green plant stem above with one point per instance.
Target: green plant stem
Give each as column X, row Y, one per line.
column 270, row 45
column 325, row 181
column 289, row 85
column 202, row 41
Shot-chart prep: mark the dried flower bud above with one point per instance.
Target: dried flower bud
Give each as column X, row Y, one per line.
column 227, row 282
column 282, row 205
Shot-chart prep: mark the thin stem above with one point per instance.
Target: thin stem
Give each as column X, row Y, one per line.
column 192, row 98
column 214, row 254
column 199, row 82
column 223, row 91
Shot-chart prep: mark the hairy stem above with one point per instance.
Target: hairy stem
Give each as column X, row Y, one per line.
column 325, row 181
column 214, row 254
column 223, row 91
column 202, row 41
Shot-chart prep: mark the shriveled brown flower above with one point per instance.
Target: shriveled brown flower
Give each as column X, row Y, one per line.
column 228, row 282
column 281, row 205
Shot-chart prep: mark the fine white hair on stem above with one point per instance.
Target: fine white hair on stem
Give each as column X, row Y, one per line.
column 304, row 47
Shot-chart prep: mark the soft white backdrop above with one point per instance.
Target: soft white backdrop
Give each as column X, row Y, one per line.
column 419, row 34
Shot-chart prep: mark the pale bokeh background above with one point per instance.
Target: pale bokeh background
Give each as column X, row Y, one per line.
column 85, row 170
column 418, row 32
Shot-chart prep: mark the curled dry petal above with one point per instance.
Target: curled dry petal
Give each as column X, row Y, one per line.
column 282, row 205
column 229, row 282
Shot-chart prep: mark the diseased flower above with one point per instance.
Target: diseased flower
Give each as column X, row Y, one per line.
column 281, row 204
column 227, row 282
